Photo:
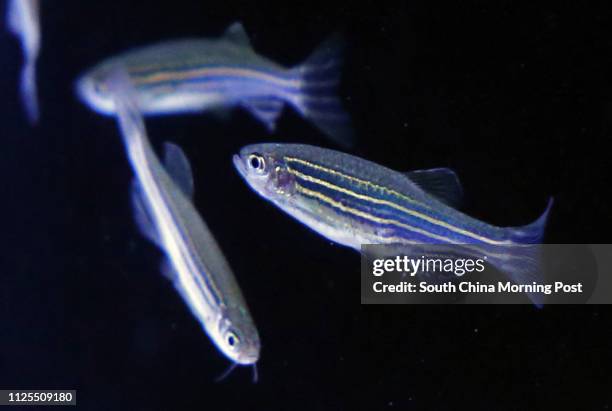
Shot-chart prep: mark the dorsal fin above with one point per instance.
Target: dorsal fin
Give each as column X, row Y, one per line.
column 236, row 33
column 178, row 168
column 442, row 183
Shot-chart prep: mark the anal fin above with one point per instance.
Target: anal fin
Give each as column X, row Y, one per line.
column 267, row 110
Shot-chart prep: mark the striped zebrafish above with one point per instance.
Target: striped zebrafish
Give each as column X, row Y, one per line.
column 23, row 20
column 194, row 75
column 352, row 201
column 163, row 209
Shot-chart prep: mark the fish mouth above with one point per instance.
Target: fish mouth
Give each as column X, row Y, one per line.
column 248, row 359
column 239, row 164
column 80, row 89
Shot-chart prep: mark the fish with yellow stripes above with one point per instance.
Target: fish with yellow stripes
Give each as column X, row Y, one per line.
column 196, row 75
column 162, row 200
column 353, row 201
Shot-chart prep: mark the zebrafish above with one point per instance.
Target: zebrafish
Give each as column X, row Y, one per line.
column 23, row 20
column 163, row 209
column 352, row 201
column 194, row 75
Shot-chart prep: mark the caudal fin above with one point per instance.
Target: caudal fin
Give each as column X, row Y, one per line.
column 534, row 232
column 29, row 94
column 318, row 100
column 521, row 261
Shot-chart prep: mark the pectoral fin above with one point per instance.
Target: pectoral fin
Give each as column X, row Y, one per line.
column 143, row 218
column 178, row 167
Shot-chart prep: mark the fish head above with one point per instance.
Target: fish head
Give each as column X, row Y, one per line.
column 93, row 89
column 238, row 339
column 265, row 170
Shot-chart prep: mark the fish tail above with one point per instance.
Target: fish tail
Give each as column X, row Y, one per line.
column 522, row 264
column 531, row 233
column 521, row 261
column 317, row 100
column 29, row 92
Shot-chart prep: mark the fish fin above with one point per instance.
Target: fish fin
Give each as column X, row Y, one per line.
column 319, row 78
column 531, row 233
column 237, row 34
column 167, row 269
column 267, row 110
column 523, row 260
column 442, row 183
column 221, row 113
column 12, row 17
column 178, row 167
column 522, row 265
column 143, row 218
column 29, row 91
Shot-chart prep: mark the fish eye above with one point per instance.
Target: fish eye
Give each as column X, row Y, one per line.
column 232, row 339
column 257, row 163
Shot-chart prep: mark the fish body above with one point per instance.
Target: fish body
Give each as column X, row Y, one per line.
column 195, row 75
column 164, row 211
column 24, row 21
column 353, row 201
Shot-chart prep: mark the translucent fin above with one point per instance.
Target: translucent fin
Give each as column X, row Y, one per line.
column 178, row 167
column 442, row 183
column 12, row 16
column 143, row 218
column 29, row 92
column 318, row 101
column 522, row 265
column 267, row 110
column 236, row 33
column 168, row 271
column 221, row 113
column 531, row 233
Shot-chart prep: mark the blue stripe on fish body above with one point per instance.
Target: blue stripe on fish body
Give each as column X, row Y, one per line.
column 393, row 220
column 353, row 202
column 193, row 75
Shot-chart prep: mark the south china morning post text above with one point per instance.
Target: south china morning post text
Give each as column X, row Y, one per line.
column 449, row 275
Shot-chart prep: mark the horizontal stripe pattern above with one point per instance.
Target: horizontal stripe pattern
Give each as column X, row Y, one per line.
column 215, row 73
column 391, row 212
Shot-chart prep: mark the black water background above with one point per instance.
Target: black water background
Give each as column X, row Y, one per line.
column 515, row 98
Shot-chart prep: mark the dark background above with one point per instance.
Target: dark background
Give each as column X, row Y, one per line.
column 516, row 99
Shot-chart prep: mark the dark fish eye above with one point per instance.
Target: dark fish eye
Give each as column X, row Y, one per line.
column 99, row 88
column 257, row 162
column 232, row 339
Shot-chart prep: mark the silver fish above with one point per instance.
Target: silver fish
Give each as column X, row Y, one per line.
column 23, row 20
column 194, row 75
column 353, row 202
column 163, row 210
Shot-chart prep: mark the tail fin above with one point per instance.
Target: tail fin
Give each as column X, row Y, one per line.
column 29, row 93
column 521, row 262
column 317, row 100
column 534, row 232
